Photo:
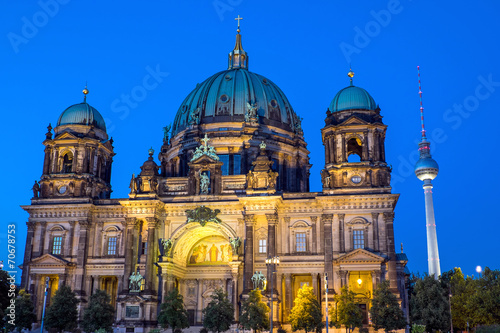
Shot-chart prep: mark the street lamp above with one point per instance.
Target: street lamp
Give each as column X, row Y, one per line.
column 270, row 262
column 326, row 300
column 44, row 301
column 1, row 264
column 479, row 269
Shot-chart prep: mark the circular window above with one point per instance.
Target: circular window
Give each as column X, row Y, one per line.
column 356, row 179
column 62, row 189
column 264, row 81
column 227, row 77
column 224, row 98
column 274, row 103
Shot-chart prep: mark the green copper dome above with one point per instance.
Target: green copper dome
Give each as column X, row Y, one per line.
column 352, row 98
column 82, row 114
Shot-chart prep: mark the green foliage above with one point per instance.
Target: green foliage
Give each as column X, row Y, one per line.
column 415, row 328
column 488, row 329
column 172, row 312
column 219, row 313
column 4, row 295
column 281, row 330
column 429, row 304
column 25, row 314
column 385, row 311
column 102, row 330
column 347, row 313
column 99, row 314
column 203, row 330
column 306, row 313
column 254, row 312
column 62, row 314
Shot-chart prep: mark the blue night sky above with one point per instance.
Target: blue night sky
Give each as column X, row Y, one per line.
column 49, row 52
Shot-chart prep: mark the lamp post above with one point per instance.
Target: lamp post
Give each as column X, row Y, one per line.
column 326, row 300
column 479, row 269
column 270, row 262
column 44, row 301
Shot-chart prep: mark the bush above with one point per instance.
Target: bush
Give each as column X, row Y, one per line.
column 177, row 330
column 203, row 330
column 417, row 328
column 363, row 330
column 281, row 330
column 156, row 330
column 488, row 329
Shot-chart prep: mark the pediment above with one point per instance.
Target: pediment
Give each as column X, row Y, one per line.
column 360, row 256
column 204, row 159
column 353, row 120
column 66, row 136
column 50, row 260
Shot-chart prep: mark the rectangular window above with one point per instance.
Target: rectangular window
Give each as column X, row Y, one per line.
column 358, row 239
column 225, row 164
column 57, row 245
column 144, row 248
column 111, row 246
column 262, row 245
column 237, row 164
column 300, row 239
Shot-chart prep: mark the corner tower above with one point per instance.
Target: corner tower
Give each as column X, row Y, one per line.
column 426, row 170
column 353, row 137
column 78, row 158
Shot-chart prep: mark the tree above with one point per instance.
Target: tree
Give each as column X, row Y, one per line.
column 25, row 315
column 347, row 312
column 5, row 283
column 429, row 304
column 172, row 312
column 100, row 314
column 62, row 313
column 254, row 312
column 385, row 311
column 219, row 313
column 306, row 313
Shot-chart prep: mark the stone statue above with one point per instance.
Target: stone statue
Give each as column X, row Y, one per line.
column 166, row 130
column 48, row 135
column 138, row 182
column 251, row 114
column 133, row 185
column 71, row 188
column 298, row 124
column 259, row 280
column 194, row 117
column 167, row 246
column 135, row 282
column 235, row 244
column 250, row 179
column 325, row 179
column 154, row 184
column 36, row 190
column 272, row 179
column 88, row 190
column 204, row 183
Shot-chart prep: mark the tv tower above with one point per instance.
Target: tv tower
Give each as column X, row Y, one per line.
column 426, row 170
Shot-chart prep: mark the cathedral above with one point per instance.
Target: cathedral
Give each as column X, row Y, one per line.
column 224, row 198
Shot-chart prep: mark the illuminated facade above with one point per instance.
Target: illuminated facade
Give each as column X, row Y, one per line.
column 231, row 189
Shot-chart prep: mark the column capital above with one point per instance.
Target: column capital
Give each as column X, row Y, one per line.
column 152, row 222
column 43, row 224
column 84, row 224
column 389, row 217
column 272, row 219
column 326, row 218
column 249, row 219
column 341, row 217
column 72, row 224
column 31, row 226
column 131, row 222
column 314, row 219
column 375, row 216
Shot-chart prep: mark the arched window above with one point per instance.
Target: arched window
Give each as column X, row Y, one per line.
column 354, row 150
column 67, row 162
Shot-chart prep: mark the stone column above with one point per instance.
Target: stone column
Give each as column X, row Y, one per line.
column 288, row 296
column 62, row 280
column 286, row 238
column 151, row 253
column 43, row 228
column 314, row 277
column 69, row 240
column 272, row 221
column 327, row 150
column 98, row 239
column 376, row 245
column 234, row 299
column 81, row 258
column 27, row 253
column 365, row 146
column 248, row 268
column 375, row 278
column 199, row 303
column 314, row 249
column 391, row 251
column 326, row 221
column 333, row 155
column 129, row 251
column 46, row 161
column 341, row 233
column 97, row 283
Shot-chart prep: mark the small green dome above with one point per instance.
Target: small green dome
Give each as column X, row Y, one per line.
column 82, row 114
column 352, row 98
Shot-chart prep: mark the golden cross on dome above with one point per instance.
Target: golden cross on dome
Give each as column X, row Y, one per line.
column 238, row 19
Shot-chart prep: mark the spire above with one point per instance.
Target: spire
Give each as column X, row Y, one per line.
column 85, row 92
column 351, row 75
column 238, row 58
column 424, row 138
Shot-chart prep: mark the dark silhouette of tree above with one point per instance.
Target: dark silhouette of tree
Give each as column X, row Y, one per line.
column 24, row 310
column 100, row 314
column 306, row 313
column 254, row 312
column 429, row 304
column 62, row 314
column 385, row 311
column 172, row 313
column 219, row 313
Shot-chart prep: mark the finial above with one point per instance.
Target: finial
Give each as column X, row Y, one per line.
column 424, row 138
column 151, row 151
column 401, row 247
column 85, row 92
column 238, row 19
column 262, row 145
column 350, row 74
